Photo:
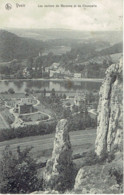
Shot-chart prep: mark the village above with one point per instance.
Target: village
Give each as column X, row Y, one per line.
column 54, row 66
column 54, row 71
column 61, row 97
column 23, row 109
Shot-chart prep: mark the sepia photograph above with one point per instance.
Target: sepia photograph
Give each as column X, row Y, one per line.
column 61, row 97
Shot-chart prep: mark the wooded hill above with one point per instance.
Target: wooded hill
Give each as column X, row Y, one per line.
column 14, row 47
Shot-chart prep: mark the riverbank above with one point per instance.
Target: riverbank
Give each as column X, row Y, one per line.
column 56, row 79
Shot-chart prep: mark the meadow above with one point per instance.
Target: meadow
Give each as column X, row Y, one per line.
column 82, row 141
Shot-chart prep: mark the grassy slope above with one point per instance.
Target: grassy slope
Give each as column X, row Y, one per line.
column 42, row 145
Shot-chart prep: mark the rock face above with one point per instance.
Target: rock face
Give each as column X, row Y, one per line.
column 59, row 169
column 110, row 120
column 83, row 185
column 95, row 179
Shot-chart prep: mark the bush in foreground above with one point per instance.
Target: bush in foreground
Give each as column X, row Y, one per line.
column 18, row 172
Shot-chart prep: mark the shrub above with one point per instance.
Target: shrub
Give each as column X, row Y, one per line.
column 62, row 181
column 117, row 173
column 41, row 129
column 18, row 172
column 91, row 158
column 11, row 91
column 68, row 103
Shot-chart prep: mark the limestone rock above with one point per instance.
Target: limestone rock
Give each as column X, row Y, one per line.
column 96, row 179
column 85, row 181
column 45, row 192
column 80, row 178
column 59, row 169
column 110, row 125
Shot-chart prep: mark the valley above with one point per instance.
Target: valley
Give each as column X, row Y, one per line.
column 60, row 111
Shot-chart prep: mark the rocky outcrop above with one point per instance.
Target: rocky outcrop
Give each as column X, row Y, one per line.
column 58, row 174
column 45, row 192
column 96, row 179
column 83, row 184
column 110, row 123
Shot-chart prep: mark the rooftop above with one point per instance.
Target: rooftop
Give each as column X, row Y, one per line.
column 24, row 101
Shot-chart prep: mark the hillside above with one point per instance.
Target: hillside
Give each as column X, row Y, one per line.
column 90, row 57
column 86, row 58
column 53, row 33
column 116, row 48
column 14, row 47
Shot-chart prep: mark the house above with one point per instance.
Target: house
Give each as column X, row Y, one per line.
column 80, row 100
column 47, row 69
column 24, row 106
column 58, row 75
column 52, row 72
column 54, row 65
column 26, row 72
column 77, row 75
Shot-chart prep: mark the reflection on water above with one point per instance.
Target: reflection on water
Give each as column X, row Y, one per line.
column 20, row 86
column 36, row 84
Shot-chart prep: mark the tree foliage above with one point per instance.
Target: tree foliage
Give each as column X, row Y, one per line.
column 31, row 130
column 18, row 172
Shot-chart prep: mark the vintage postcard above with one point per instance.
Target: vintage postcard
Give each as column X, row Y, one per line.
column 61, row 96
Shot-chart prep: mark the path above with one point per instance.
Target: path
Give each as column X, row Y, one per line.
column 38, row 102
column 92, row 111
column 19, row 122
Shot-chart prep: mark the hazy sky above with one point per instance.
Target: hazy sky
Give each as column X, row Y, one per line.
column 106, row 16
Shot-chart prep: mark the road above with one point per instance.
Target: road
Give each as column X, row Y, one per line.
column 80, row 140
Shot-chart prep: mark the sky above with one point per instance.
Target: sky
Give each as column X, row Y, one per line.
column 105, row 15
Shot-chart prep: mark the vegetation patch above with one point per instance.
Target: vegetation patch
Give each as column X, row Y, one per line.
column 30, row 130
column 18, row 172
column 34, row 117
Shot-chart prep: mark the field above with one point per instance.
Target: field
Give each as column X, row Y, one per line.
column 81, row 141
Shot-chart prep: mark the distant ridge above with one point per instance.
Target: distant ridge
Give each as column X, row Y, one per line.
column 60, row 33
column 14, row 47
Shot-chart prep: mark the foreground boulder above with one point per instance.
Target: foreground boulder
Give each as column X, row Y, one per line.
column 58, row 174
column 96, row 179
column 110, row 123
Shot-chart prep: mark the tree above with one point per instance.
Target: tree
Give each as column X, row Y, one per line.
column 30, row 62
column 11, row 90
column 67, row 113
column 53, row 93
column 44, row 93
column 64, row 96
column 27, row 90
column 18, row 172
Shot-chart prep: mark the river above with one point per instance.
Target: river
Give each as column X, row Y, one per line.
column 19, row 86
